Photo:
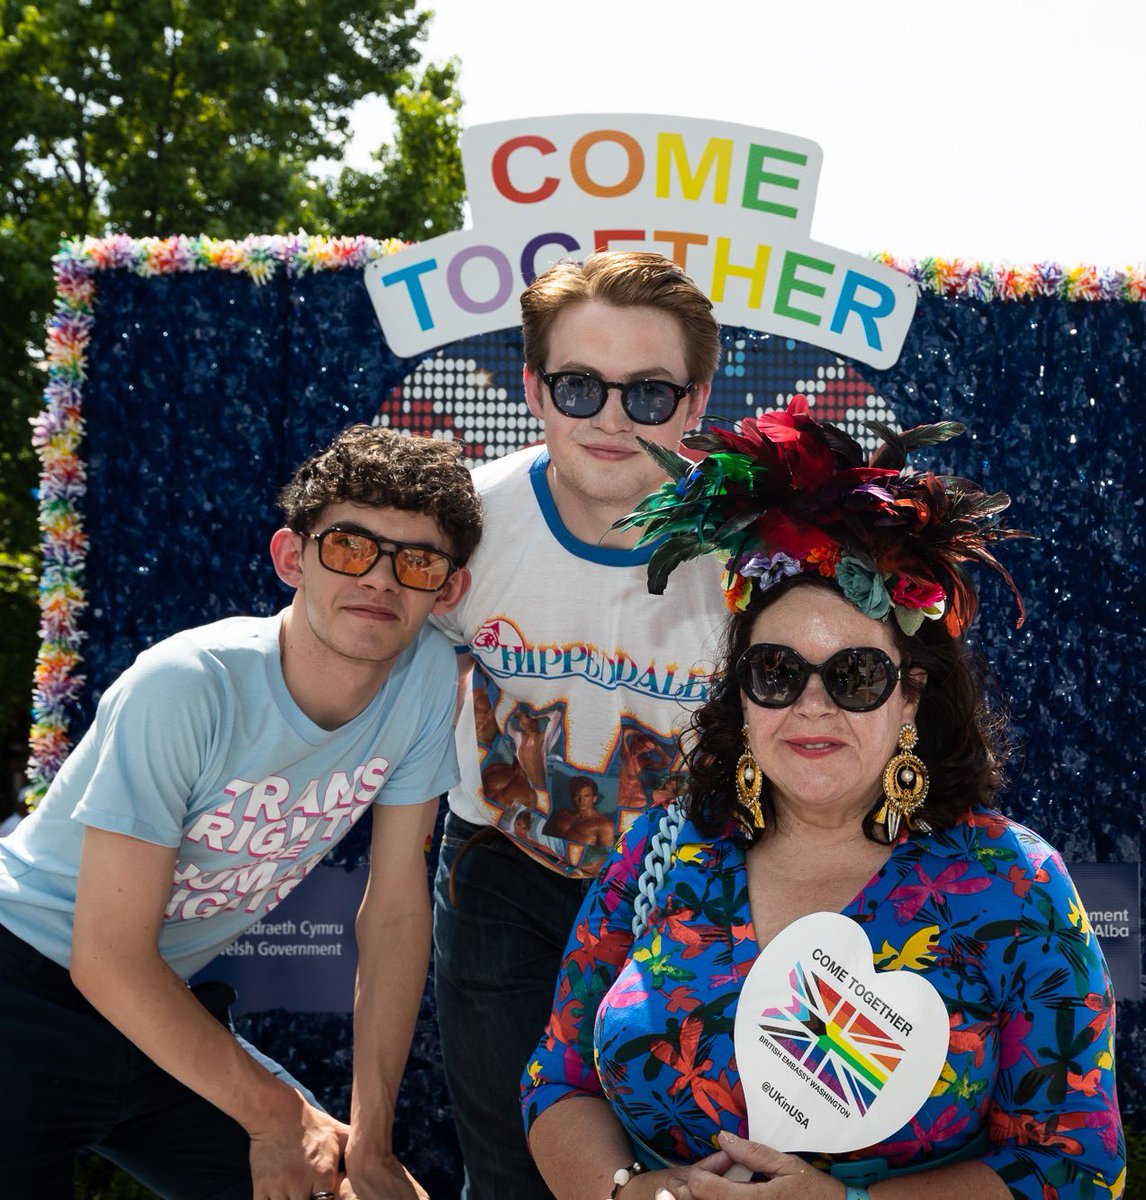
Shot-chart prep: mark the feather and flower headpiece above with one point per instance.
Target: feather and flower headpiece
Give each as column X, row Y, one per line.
column 785, row 494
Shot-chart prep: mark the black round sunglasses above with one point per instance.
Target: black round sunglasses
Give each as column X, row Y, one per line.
column 858, row 679
column 647, row 401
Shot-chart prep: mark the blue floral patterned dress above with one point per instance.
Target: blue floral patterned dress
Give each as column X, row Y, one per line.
column 986, row 911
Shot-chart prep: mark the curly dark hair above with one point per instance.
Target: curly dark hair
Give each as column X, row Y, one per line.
column 369, row 465
column 962, row 730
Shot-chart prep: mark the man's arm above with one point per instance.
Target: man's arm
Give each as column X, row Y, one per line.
column 393, row 930
column 123, row 887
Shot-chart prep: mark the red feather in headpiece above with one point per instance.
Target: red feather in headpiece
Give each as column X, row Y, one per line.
column 784, row 492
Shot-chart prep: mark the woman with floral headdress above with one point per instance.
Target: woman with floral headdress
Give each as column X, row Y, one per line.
column 845, row 762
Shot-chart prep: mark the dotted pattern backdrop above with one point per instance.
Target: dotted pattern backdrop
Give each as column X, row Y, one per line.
column 472, row 390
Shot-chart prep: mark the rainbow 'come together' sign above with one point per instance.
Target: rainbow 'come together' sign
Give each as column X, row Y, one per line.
column 731, row 204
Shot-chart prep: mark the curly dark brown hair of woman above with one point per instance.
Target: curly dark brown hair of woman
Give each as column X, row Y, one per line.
column 962, row 732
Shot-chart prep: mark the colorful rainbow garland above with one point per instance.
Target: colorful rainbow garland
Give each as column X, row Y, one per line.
column 58, row 430
column 982, row 281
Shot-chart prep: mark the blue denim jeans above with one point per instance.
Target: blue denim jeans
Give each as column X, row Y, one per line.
column 69, row 1080
column 497, row 951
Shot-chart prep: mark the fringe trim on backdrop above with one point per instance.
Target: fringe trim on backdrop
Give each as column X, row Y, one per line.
column 58, row 430
column 982, row 281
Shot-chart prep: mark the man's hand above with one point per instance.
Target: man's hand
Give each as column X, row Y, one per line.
column 384, row 1178
column 788, row 1177
column 121, row 893
column 292, row 1159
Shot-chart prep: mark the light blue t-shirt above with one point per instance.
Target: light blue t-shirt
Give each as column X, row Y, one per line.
column 200, row 746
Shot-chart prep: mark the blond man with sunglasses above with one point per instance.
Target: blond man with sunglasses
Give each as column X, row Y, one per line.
column 220, row 768
column 560, row 629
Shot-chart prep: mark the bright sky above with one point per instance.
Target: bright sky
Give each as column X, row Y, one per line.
column 995, row 130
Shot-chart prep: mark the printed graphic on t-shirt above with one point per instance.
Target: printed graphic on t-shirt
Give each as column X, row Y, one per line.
column 567, row 809
column 503, row 653
column 270, row 832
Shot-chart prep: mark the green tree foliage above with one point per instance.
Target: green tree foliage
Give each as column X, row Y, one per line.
column 192, row 116
column 423, row 167
column 188, row 116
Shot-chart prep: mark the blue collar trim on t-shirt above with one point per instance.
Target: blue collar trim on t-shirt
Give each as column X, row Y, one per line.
column 608, row 556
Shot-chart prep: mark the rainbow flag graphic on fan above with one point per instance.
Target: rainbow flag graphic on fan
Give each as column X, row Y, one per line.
column 829, row 1037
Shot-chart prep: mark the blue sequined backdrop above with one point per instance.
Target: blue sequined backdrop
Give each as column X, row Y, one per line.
column 205, row 391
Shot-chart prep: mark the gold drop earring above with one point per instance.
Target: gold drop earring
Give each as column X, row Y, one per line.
column 749, row 784
column 905, row 784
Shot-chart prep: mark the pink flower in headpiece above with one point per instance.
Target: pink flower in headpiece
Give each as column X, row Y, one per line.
column 917, row 593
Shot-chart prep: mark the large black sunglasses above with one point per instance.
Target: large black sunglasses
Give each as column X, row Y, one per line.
column 858, row 679
column 354, row 552
column 647, row 401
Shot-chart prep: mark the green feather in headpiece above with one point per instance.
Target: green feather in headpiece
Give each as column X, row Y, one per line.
column 783, row 493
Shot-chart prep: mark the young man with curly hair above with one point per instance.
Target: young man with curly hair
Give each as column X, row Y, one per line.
column 219, row 769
